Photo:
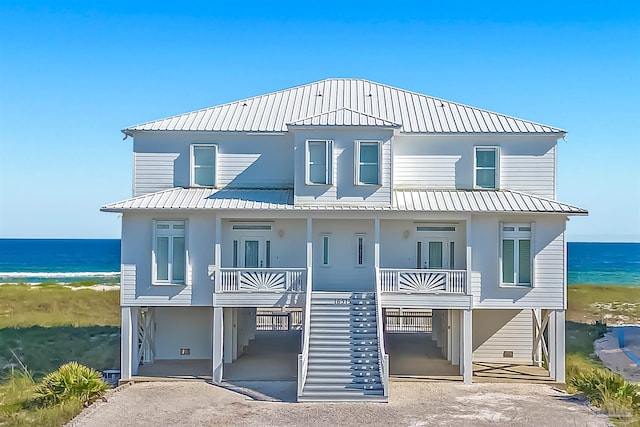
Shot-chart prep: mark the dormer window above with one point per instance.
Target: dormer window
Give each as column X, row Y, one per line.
column 367, row 155
column 487, row 168
column 203, row 165
column 319, row 170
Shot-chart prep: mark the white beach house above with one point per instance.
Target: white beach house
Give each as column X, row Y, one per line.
column 347, row 200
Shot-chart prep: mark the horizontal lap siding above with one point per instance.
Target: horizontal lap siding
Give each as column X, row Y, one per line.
column 529, row 173
column 425, row 171
column 497, row 331
column 153, row 172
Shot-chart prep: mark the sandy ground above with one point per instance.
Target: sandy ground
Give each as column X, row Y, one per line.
column 411, row 404
column 608, row 350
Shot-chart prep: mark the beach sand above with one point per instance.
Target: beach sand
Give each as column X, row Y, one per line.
column 608, row 350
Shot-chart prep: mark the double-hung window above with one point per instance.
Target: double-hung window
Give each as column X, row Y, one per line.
column 487, row 167
column 203, row 165
column 516, row 254
column 367, row 157
column 319, row 169
column 169, row 252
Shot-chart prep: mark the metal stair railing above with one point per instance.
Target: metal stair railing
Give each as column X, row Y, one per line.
column 383, row 357
column 303, row 358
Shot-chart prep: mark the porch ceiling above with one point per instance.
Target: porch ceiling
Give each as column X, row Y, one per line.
column 447, row 201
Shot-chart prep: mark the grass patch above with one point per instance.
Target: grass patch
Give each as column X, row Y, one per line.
column 24, row 306
column 590, row 308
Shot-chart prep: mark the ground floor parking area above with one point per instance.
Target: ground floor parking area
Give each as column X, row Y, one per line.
column 260, row 403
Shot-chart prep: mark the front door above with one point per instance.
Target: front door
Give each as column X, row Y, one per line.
column 254, row 252
column 434, row 253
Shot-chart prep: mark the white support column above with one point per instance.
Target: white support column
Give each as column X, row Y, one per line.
column 468, row 254
column 376, row 244
column 466, row 346
column 455, row 337
column 230, row 334
column 536, row 315
column 309, row 286
column 253, row 323
column 218, row 334
column 218, row 254
column 557, row 346
column 128, row 343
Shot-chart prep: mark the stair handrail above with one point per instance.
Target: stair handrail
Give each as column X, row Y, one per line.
column 383, row 357
column 303, row 358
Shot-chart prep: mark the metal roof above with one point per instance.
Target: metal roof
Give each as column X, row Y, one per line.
column 367, row 101
column 468, row 201
column 344, row 117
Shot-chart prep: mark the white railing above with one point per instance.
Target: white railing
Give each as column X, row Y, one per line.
column 263, row 279
column 303, row 358
column 423, row 281
column 383, row 357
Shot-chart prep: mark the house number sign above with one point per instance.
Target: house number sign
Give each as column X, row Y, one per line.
column 341, row 301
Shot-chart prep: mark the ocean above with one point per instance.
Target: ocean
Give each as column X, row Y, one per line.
column 98, row 260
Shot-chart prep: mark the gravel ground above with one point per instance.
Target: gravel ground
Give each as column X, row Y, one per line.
column 411, row 404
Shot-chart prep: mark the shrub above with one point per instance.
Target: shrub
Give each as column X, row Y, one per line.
column 71, row 381
column 608, row 391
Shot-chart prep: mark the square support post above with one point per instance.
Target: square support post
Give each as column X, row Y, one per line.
column 218, row 255
column 466, row 346
column 128, row 343
column 218, row 333
column 557, row 346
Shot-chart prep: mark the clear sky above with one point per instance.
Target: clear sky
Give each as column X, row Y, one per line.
column 73, row 73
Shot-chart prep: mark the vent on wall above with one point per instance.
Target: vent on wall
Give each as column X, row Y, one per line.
column 507, row 353
column 185, row 351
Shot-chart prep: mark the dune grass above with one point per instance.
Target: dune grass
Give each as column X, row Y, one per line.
column 42, row 328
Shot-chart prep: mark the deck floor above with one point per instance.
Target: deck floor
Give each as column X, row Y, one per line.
column 272, row 356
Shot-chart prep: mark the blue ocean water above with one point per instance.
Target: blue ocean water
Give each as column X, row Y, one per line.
column 603, row 263
column 61, row 260
column 72, row 260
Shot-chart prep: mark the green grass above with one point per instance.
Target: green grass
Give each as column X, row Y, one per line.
column 44, row 327
column 606, row 304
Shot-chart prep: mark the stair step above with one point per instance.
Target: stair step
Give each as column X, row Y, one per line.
column 344, row 396
column 342, row 386
column 351, row 380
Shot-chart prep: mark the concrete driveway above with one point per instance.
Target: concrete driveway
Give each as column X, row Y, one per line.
column 270, row 403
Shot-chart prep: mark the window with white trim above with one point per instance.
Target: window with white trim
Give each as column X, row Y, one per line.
column 486, row 167
column 203, row 165
column 360, row 250
column 169, row 252
column 367, row 163
column 319, row 156
column 325, row 250
column 516, row 254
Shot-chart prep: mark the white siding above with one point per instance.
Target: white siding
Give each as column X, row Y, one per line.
column 183, row 327
column 152, row 172
column 343, row 191
column 497, row 331
column 163, row 160
column 527, row 163
column 137, row 244
column 533, row 174
column 548, row 266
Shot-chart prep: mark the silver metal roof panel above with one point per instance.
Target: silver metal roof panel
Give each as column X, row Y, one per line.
column 349, row 101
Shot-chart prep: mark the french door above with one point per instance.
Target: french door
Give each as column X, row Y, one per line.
column 435, row 253
column 252, row 252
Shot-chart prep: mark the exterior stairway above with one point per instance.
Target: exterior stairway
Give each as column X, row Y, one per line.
column 343, row 349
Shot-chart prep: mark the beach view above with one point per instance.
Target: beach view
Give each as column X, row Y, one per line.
column 319, row 214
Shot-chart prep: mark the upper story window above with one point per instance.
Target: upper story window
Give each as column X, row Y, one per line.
column 319, row 169
column 203, row 165
column 367, row 157
column 516, row 254
column 169, row 252
column 487, row 167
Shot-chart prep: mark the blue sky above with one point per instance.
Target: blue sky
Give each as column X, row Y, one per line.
column 73, row 73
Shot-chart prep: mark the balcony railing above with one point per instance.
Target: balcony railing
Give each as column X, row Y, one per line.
column 423, row 281
column 263, row 279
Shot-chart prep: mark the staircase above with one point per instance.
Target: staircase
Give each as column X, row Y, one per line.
column 343, row 349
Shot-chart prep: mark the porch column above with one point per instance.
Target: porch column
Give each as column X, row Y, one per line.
column 557, row 346
column 230, row 345
column 468, row 254
column 218, row 332
column 466, row 346
column 129, row 343
column 309, row 286
column 376, row 245
column 218, row 255
column 455, row 337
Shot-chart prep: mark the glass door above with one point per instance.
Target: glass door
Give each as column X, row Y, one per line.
column 434, row 253
column 255, row 252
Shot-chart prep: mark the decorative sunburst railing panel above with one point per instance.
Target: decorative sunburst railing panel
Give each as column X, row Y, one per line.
column 423, row 281
column 263, row 280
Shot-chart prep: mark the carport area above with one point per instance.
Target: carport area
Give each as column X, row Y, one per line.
column 417, row 356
